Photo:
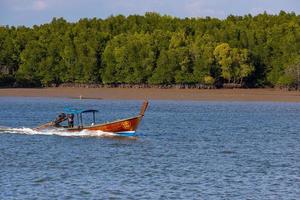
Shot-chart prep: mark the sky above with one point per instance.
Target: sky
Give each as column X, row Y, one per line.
column 35, row 12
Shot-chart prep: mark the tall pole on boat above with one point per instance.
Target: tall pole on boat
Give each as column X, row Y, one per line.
column 144, row 108
column 81, row 123
column 94, row 118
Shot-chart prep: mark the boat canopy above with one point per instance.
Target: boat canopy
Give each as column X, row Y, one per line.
column 79, row 111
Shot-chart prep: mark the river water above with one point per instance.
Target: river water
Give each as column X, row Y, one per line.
column 184, row 150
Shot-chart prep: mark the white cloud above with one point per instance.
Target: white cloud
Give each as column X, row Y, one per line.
column 39, row 5
column 40, row 11
column 29, row 5
column 200, row 8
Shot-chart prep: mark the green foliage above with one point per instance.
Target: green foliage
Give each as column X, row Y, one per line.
column 166, row 67
column 6, row 80
column 250, row 50
column 291, row 76
column 234, row 63
column 208, row 80
column 204, row 62
column 128, row 59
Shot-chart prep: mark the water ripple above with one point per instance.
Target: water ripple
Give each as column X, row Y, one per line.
column 185, row 150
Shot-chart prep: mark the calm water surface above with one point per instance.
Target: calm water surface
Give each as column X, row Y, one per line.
column 185, row 150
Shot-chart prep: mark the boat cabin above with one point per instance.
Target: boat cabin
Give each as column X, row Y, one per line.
column 78, row 115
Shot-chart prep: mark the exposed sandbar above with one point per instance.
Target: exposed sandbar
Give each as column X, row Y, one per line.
column 274, row 95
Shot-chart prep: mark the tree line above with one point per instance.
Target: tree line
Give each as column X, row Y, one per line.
column 247, row 51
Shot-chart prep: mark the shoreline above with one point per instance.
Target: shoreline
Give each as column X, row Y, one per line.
column 272, row 95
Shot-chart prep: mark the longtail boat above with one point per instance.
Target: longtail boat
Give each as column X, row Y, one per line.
column 125, row 127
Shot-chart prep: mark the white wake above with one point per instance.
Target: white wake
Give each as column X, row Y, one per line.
column 60, row 132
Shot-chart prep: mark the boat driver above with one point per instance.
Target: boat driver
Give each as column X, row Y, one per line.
column 70, row 120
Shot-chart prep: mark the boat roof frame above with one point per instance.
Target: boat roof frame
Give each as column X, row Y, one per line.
column 79, row 111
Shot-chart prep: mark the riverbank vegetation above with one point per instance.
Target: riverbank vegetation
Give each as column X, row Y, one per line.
column 239, row 51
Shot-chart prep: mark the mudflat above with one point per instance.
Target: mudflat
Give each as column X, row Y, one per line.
column 274, row 95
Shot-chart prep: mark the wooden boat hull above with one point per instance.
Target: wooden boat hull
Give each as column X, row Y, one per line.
column 125, row 126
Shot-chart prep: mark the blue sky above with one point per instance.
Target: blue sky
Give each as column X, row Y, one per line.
column 30, row 12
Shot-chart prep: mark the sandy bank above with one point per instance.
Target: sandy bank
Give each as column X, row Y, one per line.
column 159, row 94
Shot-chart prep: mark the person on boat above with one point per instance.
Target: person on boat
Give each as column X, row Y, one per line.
column 70, row 120
column 61, row 117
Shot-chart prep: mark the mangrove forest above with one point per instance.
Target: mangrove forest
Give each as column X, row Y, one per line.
column 242, row 51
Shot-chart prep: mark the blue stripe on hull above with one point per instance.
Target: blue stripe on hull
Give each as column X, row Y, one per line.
column 126, row 133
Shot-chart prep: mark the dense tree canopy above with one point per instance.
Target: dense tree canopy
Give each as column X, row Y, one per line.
column 258, row 51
